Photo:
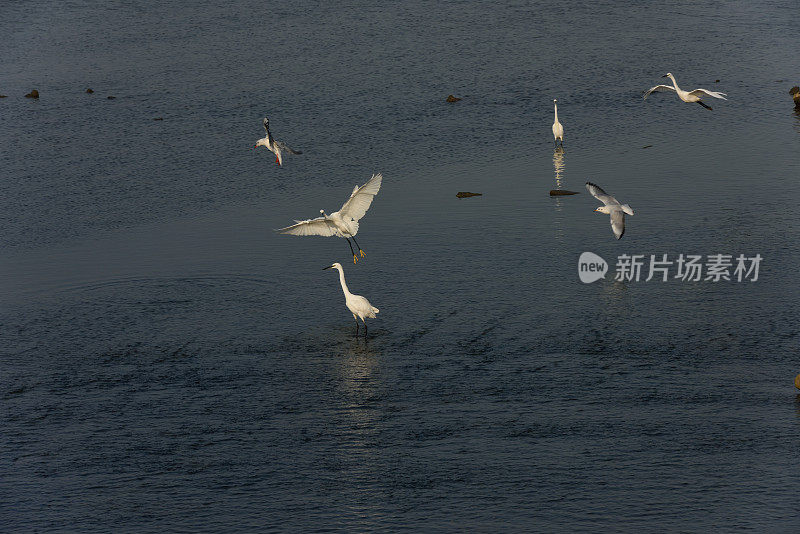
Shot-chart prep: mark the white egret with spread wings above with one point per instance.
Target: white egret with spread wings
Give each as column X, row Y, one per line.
column 686, row 96
column 342, row 223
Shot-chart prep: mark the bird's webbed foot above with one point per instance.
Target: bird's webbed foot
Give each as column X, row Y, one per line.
column 355, row 259
column 362, row 253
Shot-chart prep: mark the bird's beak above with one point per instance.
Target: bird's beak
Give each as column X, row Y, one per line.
column 328, row 267
column 665, row 76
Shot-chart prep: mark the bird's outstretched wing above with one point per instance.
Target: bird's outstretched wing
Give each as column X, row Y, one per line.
column 266, row 127
column 703, row 92
column 598, row 193
column 618, row 223
column 284, row 146
column 658, row 88
column 319, row 226
column 361, row 198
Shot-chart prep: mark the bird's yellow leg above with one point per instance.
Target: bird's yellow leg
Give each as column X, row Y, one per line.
column 359, row 247
column 353, row 252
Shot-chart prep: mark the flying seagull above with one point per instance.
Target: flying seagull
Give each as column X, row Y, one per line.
column 276, row 147
column 611, row 207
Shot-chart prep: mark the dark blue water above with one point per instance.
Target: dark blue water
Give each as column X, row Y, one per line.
column 167, row 362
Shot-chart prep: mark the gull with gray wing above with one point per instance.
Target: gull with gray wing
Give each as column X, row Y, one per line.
column 611, row 207
column 276, row 147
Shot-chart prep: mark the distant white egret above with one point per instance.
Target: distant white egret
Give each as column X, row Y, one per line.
column 358, row 305
column 686, row 96
column 558, row 129
column 612, row 207
column 342, row 223
column 276, row 147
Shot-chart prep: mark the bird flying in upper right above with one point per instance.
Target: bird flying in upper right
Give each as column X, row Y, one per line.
column 686, row 96
column 611, row 207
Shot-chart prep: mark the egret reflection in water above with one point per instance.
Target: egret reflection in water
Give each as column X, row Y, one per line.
column 558, row 165
column 361, row 406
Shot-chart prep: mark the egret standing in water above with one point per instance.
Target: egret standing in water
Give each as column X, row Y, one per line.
column 358, row 305
column 558, row 129
column 342, row 223
column 686, row 96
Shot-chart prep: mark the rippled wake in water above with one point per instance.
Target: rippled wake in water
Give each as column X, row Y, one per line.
column 168, row 362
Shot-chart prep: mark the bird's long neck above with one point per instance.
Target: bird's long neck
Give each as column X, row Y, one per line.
column 674, row 83
column 555, row 107
column 341, row 280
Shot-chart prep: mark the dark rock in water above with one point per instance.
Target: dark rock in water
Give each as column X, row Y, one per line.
column 33, row 94
column 465, row 194
column 3, row 96
column 561, row 192
column 451, row 98
column 647, row 146
column 716, row 81
column 795, row 92
column 89, row 91
column 159, row 119
column 111, row 97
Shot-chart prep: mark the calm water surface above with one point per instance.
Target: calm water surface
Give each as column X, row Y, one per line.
column 167, row 362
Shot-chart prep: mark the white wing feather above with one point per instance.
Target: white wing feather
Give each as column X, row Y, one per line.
column 658, row 88
column 618, row 223
column 319, row 226
column 598, row 193
column 361, row 199
column 701, row 92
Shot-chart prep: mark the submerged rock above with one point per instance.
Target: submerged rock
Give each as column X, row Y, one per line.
column 795, row 92
column 89, row 91
column 159, row 119
column 465, row 194
column 3, row 96
column 561, row 192
column 33, row 94
column 111, row 97
column 451, row 98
